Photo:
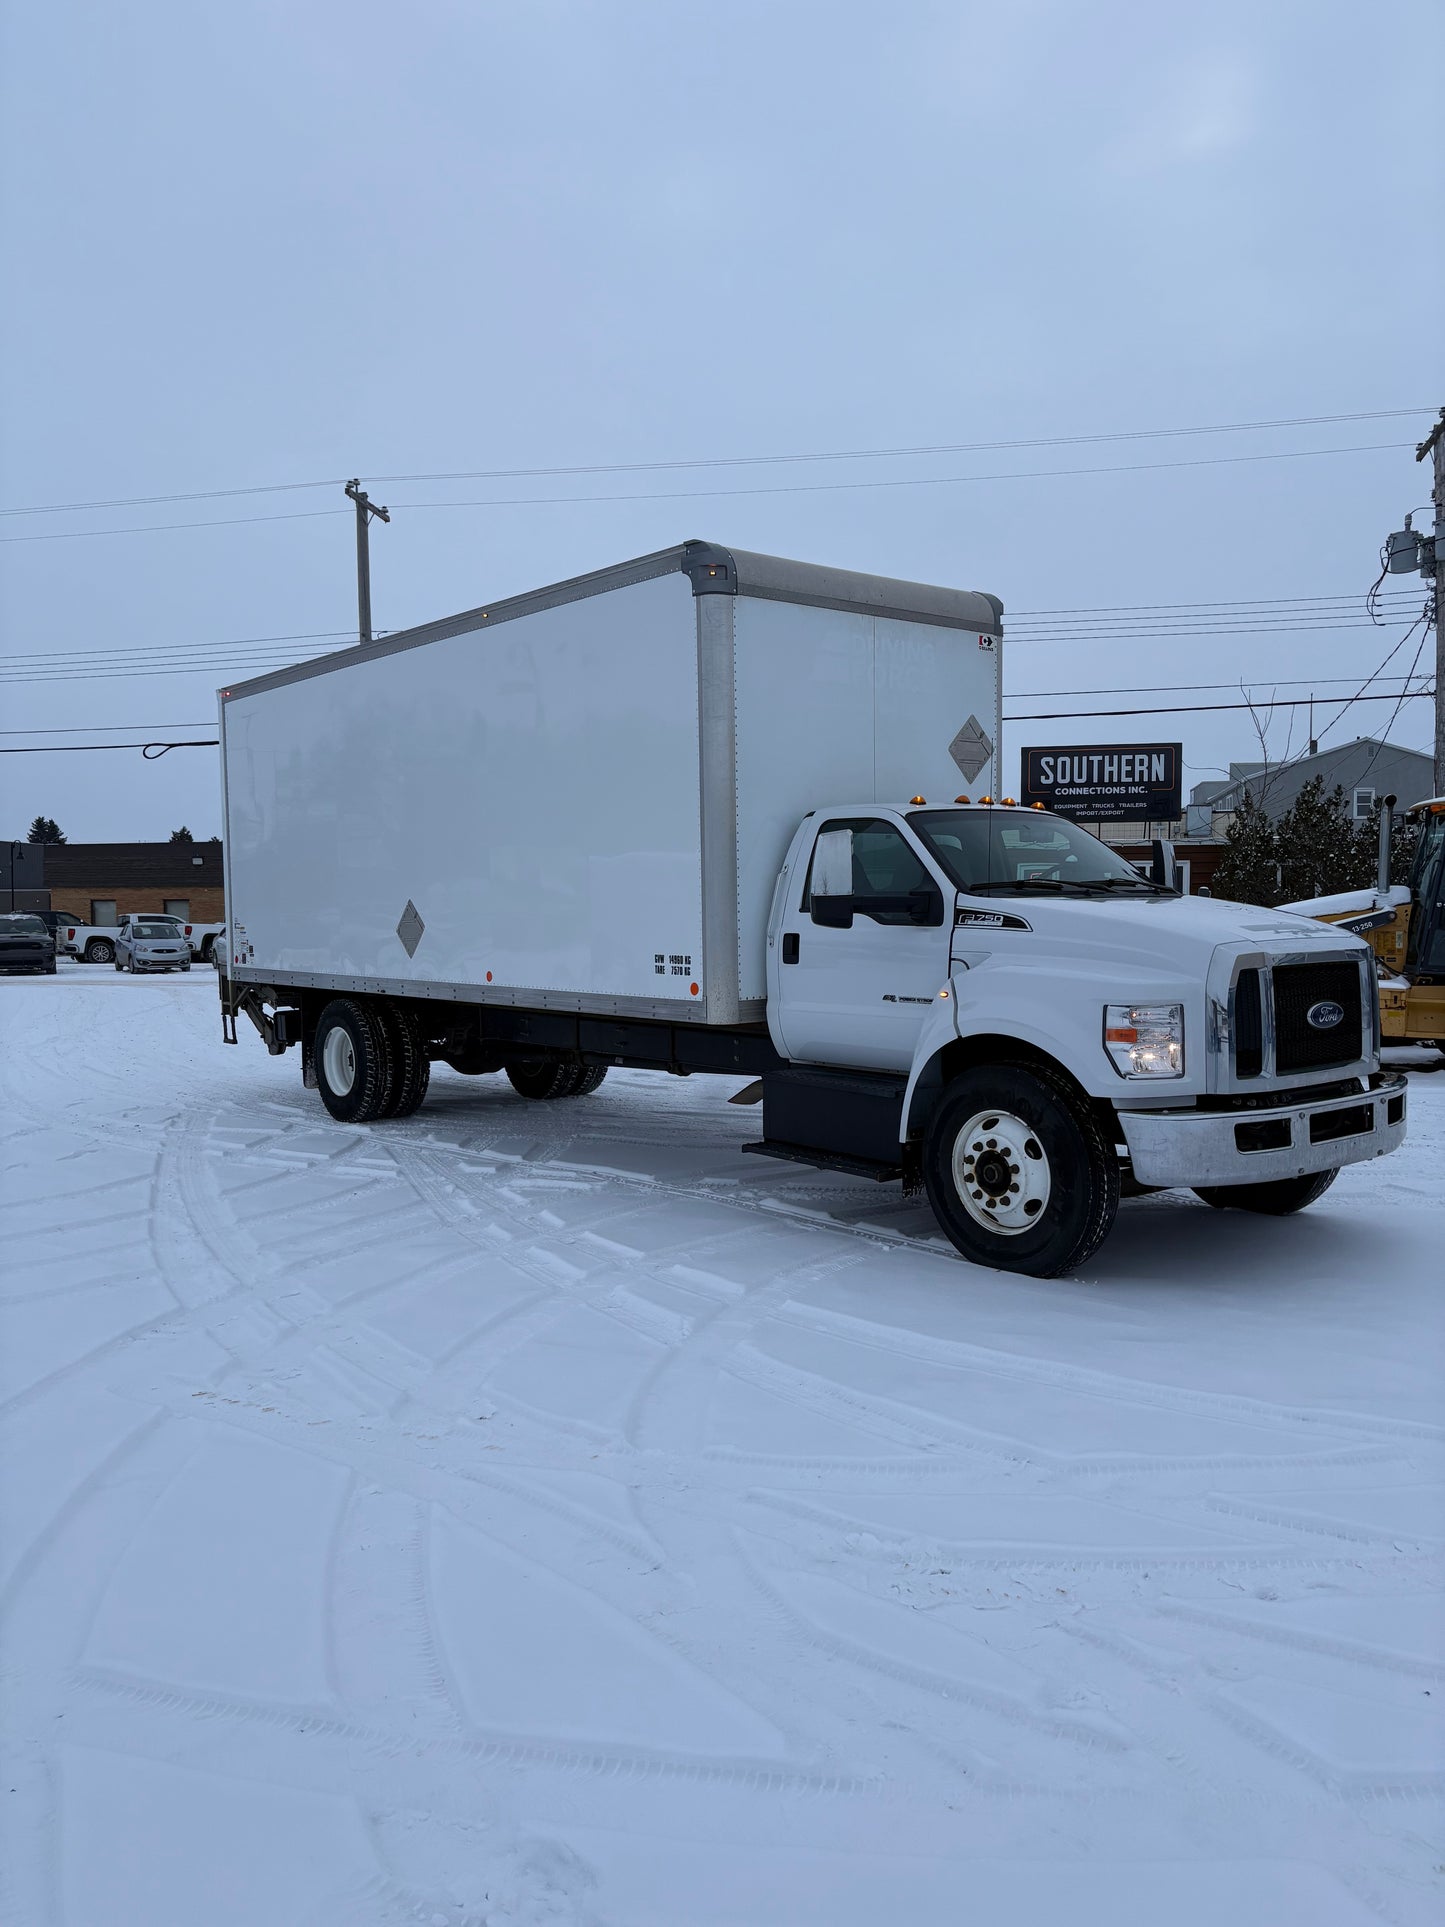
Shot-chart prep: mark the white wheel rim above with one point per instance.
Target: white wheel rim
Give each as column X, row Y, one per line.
column 1001, row 1172
column 338, row 1057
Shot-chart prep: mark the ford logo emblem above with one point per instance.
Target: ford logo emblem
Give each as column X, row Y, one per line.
column 1324, row 1016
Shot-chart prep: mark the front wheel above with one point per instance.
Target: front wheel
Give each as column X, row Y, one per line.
column 1275, row 1199
column 1018, row 1171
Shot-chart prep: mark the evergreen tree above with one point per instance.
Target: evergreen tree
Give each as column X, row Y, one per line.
column 1318, row 845
column 1247, row 871
column 45, row 829
column 182, row 835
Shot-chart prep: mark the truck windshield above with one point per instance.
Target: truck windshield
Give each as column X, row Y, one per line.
column 1015, row 852
column 20, row 926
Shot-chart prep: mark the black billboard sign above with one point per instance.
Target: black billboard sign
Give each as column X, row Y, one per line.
column 1108, row 782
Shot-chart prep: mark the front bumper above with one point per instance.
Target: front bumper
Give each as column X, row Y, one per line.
column 169, row 960
column 36, row 958
column 1192, row 1148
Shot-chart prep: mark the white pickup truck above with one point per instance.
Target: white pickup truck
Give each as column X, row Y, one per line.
column 592, row 826
column 95, row 943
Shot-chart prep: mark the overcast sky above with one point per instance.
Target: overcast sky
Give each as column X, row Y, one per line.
column 283, row 243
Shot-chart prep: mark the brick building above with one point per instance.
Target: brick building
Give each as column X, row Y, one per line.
column 98, row 882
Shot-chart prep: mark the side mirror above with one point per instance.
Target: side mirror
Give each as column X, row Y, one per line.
column 1163, row 866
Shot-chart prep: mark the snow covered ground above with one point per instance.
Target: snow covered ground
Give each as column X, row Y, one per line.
column 544, row 1514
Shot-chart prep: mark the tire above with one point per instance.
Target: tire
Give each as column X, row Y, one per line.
column 410, row 1071
column 551, row 1079
column 100, row 951
column 50, row 968
column 119, row 965
column 588, row 1080
column 208, row 946
column 1035, row 1147
column 353, row 1061
column 187, row 964
column 1275, row 1199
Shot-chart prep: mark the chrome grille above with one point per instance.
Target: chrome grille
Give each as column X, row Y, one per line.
column 1301, row 988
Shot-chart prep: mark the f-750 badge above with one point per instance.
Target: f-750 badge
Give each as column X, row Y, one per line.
column 989, row 920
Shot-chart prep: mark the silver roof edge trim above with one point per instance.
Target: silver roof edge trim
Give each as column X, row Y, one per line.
column 769, row 577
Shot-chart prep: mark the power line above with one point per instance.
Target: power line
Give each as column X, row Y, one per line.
column 727, row 461
column 179, row 648
column 181, row 657
column 1164, row 688
column 99, row 729
column 720, row 494
column 1014, row 624
column 1252, row 602
column 908, row 481
column 1183, row 709
column 60, row 749
column 152, row 528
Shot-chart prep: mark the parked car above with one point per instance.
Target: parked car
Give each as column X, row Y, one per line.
column 152, row 943
column 25, row 943
column 96, row 942
column 203, row 939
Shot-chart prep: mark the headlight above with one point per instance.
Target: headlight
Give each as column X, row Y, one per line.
column 1145, row 1040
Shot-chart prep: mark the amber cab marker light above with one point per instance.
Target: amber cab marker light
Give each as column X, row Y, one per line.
column 918, row 799
column 960, row 799
column 1036, row 806
column 986, row 799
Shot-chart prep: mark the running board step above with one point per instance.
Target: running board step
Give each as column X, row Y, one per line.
column 827, row 1160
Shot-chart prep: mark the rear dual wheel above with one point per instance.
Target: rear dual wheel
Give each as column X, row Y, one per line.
column 369, row 1060
column 555, row 1078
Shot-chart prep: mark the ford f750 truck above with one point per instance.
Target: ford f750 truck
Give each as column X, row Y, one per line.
column 714, row 812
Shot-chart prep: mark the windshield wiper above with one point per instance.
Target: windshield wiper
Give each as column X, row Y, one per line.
column 1134, row 883
column 1009, row 885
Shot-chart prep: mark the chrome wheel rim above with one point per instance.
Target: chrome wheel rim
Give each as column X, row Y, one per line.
column 338, row 1058
column 1001, row 1172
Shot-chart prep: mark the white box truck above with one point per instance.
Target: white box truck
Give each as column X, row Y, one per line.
column 710, row 811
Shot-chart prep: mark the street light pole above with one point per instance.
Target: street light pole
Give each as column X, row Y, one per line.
column 365, row 509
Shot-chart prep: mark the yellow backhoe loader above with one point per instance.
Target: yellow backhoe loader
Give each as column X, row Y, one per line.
column 1405, row 926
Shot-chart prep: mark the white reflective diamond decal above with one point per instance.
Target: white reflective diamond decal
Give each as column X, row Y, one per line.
column 971, row 748
column 410, row 928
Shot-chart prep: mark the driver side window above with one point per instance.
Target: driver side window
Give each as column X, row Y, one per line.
column 884, row 865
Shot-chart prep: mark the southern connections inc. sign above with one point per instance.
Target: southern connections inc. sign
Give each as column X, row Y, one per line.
column 1107, row 782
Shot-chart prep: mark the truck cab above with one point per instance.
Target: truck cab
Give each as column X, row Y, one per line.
column 986, row 969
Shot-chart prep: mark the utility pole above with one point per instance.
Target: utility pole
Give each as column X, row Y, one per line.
column 1434, row 444
column 365, row 509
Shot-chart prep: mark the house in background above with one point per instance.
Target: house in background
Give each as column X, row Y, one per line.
column 1366, row 770
column 98, row 882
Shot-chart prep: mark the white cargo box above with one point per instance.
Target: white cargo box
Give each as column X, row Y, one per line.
column 580, row 799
